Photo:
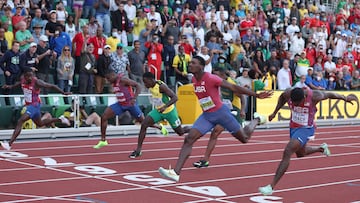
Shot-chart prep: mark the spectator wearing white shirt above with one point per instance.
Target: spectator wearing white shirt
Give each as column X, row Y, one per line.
column 205, row 55
column 154, row 15
column 293, row 27
column 297, row 44
column 339, row 45
column 222, row 12
column 130, row 10
column 284, row 77
column 329, row 65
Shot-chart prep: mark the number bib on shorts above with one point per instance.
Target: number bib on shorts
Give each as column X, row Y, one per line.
column 206, row 103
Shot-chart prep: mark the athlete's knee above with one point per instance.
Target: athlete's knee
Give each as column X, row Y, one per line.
column 192, row 137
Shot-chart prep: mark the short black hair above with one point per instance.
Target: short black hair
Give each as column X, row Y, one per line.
column 297, row 94
column 149, row 75
column 200, row 59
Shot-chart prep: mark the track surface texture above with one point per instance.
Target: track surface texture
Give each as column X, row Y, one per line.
column 56, row 171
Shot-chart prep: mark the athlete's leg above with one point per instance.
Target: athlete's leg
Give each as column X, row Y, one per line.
column 145, row 124
column 218, row 129
column 307, row 150
column 18, row 127
column 108, row 113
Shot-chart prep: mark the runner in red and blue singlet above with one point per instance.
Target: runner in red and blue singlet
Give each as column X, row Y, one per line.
column 31, row 87
column 206, row 87
column 302, row 103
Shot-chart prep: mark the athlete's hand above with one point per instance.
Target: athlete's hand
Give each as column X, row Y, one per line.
column 350, row 98
column 133, row 101
column 7, row 86
column 271, row 116
column 161, row 109
column 242, row 113
column 265, row 94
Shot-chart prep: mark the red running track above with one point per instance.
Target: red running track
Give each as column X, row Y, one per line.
column 72, row 171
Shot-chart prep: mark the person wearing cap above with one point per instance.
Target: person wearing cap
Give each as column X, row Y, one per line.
column 37, row 21
column 37, row 29
column 23, row 36
column 45, row 58
column 28, row 59
column 51, row 25
column 103, row 65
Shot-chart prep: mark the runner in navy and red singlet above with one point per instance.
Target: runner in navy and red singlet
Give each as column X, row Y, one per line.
column 206, row 88
column 126, row 101
column 31, row 88
column 302, row 103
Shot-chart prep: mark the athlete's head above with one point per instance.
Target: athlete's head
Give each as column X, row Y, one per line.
column 28, row 75
column 197, row 64
column 110, row 75
column 297, row 95
column 149, row 79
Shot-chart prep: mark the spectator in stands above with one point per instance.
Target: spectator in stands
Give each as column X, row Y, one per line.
column 259, row 64
column 65, row 69
column 204, row 53
column 88, row 9
column 329, row 66
column 37, row 32
column 154, row 55
column 45, row 57
column 103, row 16
column 256, row 83
column 83, row 117
column 113, row 40
column 120, row 61
column 140, row 23
column 341, row 82
column 9, row 36
column 269, row 79
column 319, row 82
column 9, row 64
column 318, row 66
column 331, row 83
column 37, row 21
column 61, row 13
column 7, row 18
column 28, row 59
column 93, row 26
column 78, row 42
column 59, row 40
column 51, row 25
column 70, row 27
column 23, row 36
column 180, row 64
column 99, row 41
column 153, row 14
column 78, row 6
column 355, row 81
column 88, row 68
column 168, row 56
column 3, row 42
column 120, row 21
column 284, row 76
column 137, row 60
column 171, row 29
column 17, row 17
column 102, row 66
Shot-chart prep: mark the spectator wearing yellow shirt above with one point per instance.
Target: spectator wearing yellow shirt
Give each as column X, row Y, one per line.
column 269, row 79
column 9, row 36
column 180, row 64
column 303, row 11
column 140, row 22
column 113, row 40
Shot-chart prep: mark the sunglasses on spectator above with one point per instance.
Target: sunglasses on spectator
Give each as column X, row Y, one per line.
column 66, row 49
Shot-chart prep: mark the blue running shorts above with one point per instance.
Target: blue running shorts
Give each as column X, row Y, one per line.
column 134, row 110
column 302, row 134
column 33, row 111
column 223, row 116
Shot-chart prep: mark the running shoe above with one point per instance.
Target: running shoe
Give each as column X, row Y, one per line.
column 326, row 149
column 100, row 144
column 266, row 190
column 262, row 119
column 135, row 154
column 5, row 145
column 201, row 164
column 64, row 120
column 164, row 131
column 169, row 174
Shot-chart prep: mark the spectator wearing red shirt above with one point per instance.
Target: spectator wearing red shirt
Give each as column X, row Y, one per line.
column 311, row 53
column 154, row 56
column 99, row 41
column 17, row 17
column 246, row 24
column 187, row 46
column 77, row 43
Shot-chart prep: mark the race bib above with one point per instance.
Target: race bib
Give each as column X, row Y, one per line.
column 206, row 103
column 153, row 56
column 227, row 103
column 300, row 118
column 100, row 51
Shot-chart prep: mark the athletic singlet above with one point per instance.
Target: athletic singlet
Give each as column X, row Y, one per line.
column 303, row 115
column 159, row 99
column 124, row 94
column 207, row 91
column 31, row 93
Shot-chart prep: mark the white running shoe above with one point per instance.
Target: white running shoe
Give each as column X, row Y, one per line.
column 326, row 149
column 169, row 174
column 260, row 117
column 5, row 145
column 64, row 120
column 266, row 190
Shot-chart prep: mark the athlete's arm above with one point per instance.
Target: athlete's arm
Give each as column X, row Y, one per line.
column 41, row 83
column 17, row 84
column 132, row 83
column 242, row 90
column 166, row 90
column 321, row 95
column 284, row 97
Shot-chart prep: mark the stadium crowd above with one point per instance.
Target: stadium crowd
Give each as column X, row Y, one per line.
column 260, row 44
